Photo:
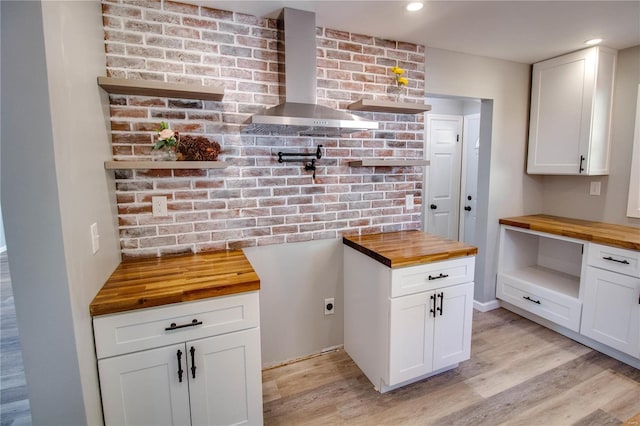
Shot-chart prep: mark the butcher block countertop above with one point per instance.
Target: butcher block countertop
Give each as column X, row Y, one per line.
column 603, row 233
column 408, row 248
column 143, row 283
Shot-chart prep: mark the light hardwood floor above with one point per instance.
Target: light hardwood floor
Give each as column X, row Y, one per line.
column 14, row 403
column 519, row 373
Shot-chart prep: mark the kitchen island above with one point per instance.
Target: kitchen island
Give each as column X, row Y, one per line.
column 179, row 338
column 408, row 304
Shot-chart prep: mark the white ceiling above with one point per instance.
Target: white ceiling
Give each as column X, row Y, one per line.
column 520, row 31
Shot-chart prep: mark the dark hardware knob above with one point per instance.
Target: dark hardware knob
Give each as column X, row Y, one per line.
column 469, row 197
column 581, row 160
column 625, row 261
column 467, row 208
column 433, row 310
column 193, row 361
column 433, row 207
column 441, row 296
column 173, row 325
column 438, row 277
column 180, row 370
column 531, row 300
column 329, row 306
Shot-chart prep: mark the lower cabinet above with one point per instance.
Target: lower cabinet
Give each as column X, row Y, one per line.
column 611, row 313
column 404, row 324
column 212, row 380
column 429, row 331
column 591, row 289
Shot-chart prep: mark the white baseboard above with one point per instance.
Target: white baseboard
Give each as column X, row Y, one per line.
column 486, row 306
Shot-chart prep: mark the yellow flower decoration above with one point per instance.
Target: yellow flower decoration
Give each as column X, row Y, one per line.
column 402, row 81
column 397, row 71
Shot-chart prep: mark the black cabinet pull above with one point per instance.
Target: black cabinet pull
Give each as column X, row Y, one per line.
column 193, row 361
column 531, row 300
column 467, row 208
column 624, row 261
column 581, row 160
column 438, row 277
column 173, row 325
column 441, row 296
column 433, row 310
column 180, row 370
column 433, row 207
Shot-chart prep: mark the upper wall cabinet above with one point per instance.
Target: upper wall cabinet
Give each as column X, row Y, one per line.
column 571, row 98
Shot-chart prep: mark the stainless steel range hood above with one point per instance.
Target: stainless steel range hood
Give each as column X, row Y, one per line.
column 300, row 115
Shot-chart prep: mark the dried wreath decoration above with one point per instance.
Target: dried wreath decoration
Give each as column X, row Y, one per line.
column 198, row 148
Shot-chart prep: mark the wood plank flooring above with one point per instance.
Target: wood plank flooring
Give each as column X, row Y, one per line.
column 519, row 373
column 14, row 403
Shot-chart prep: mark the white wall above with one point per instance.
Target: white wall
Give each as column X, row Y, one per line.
column 569, row 195
column 294, row 281
column 504, row 188
column 54, row 142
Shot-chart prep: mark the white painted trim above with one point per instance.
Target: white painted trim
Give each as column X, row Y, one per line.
column 486, row 306
column 3, row 249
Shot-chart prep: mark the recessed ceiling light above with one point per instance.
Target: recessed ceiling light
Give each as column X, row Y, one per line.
column 593, row 41
column 413, row 6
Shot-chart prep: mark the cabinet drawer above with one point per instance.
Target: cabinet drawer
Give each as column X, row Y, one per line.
column 415, row 279
column 614, row 259
column 556, row 307
column 133, row 331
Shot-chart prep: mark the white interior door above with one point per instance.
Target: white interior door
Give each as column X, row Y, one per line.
column 444, row 147
column 469, row 181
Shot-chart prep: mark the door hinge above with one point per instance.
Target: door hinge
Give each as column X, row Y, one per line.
column 457, row 138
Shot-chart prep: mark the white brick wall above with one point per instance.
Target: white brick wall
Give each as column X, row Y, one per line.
column 255, row 201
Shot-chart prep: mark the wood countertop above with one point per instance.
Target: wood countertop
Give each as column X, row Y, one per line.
column 408, row 248
column 603, row 233
column 143, row 283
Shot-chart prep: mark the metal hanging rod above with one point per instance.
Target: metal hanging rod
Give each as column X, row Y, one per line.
column 307, row 156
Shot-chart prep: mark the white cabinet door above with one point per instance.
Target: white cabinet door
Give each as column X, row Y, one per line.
column 611, row 310
column 452, row 334
column 143, row 388
column 227, row 387
column 411, row 336
column 571, row 113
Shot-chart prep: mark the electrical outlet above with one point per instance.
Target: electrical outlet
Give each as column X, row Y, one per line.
column 159, row 206
column 595, row 188
column 408, row 201
column 329, row 306
column 95, row 237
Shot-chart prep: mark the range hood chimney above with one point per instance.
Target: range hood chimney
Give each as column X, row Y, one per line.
column 300, row 115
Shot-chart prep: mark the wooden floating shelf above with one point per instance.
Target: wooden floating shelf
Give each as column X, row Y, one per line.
column 379, row 162
column 388, row 106
column 160, row 88
column 147, row 164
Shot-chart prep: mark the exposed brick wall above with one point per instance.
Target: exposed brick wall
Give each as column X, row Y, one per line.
column 256, row 200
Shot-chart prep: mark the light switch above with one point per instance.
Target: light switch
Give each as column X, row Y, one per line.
column 408, row 201
column 595, row 188
column 95, row 238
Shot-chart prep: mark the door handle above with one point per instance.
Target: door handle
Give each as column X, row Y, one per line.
column 193, row 361
column 581, row 160
column 180, row 370
column 441, row 296
column 467, row 208
column 433, row 207
column 433, row 310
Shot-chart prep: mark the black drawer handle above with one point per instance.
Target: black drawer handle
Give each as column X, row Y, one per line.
column 531, row 300
column 180, row 370
column 173, row 325
column 625, row 261
column 438, row 277
column 433, row 310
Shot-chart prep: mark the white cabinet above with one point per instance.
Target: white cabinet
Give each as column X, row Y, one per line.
column 190, row 363
column 587, row 291
column 541, row 273
column 612, row 299
column 404, row 324
column 570, row 123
